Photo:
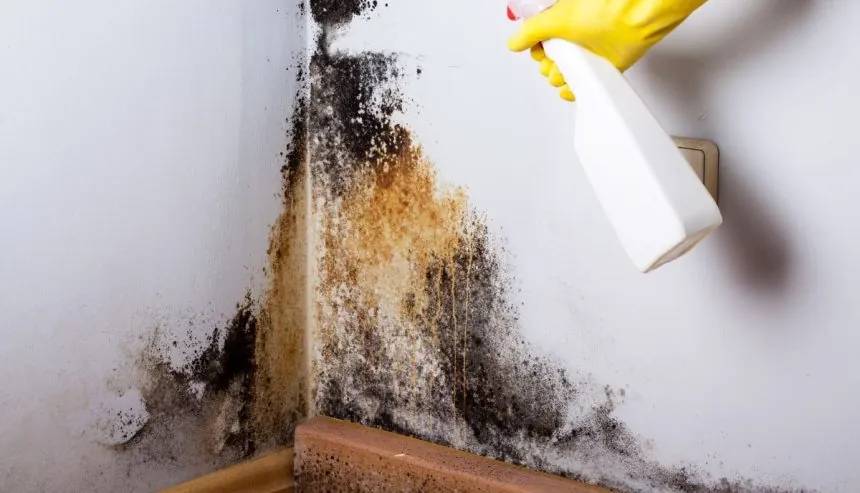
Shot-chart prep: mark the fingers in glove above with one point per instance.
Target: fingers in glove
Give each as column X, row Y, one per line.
column 555, row 77
column 550, row 70
column 566, row 94
column 546, row 66
column 533, row 31
column 537, row 52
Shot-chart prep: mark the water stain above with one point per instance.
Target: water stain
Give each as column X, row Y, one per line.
column 416, row 330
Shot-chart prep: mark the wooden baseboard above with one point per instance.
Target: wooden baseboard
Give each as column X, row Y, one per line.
column 271, row 473
column 332, row 455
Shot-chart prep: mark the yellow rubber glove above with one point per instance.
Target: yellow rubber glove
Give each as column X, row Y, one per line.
column 621, row 31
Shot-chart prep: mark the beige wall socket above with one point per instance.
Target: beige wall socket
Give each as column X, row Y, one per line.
column 704, row 157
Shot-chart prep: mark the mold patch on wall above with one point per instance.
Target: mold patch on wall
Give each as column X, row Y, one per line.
column 207, row 403
column 242, row 388
column 416, row 330
column 336, row 12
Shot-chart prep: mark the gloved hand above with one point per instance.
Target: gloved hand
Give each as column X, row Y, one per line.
column 621, row 31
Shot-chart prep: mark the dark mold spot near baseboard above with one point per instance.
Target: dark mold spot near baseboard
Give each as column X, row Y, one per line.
column 220, row 366
column 216, row 416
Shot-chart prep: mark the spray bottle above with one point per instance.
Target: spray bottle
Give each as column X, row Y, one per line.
column 657, row 205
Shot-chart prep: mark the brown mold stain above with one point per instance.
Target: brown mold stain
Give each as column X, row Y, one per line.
column 395, row 224
column 280, row 381
column 388, row 233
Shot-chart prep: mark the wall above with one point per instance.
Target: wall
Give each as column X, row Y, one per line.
column 472, row 293
column 141, row 146
column 156, row 161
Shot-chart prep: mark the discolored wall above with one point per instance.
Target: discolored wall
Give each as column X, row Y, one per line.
column 416, row 324
column 221, row 220
column 469, row 292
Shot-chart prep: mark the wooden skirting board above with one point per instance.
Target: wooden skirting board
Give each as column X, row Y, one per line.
column 333, row 455
column 272, row 473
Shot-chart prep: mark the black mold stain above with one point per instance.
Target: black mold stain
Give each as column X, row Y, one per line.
column 230, row 368
column 339, row 12
column 354, row 97
column 220, row 366
column 503, row 391
column 296, row 155
column 222, row 411
column 513, row 402
column 124, row 427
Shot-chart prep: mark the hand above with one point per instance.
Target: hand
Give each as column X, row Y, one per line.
column 621, row 31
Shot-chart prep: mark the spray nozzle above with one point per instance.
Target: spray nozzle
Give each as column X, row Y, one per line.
column 523, row 9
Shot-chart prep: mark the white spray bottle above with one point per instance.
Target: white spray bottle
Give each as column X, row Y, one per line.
column 656, row 203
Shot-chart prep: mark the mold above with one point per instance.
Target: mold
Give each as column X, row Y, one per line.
column 244, row 389
column 241, row 386
column 280, row 351
column 416, row 328
column 353, row 99
column 339, row 12
column 211, row 396
column 118, row 418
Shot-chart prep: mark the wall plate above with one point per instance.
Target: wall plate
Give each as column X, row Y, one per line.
column 704, row 157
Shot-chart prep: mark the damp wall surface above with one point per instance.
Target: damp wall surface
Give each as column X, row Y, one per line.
column 515, row 326
column 141, row 147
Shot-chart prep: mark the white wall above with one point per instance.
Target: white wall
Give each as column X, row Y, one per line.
column 740, row 358
column 139, row 172
column 139, row 150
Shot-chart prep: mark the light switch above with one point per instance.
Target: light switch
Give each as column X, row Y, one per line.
column 704, row 157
